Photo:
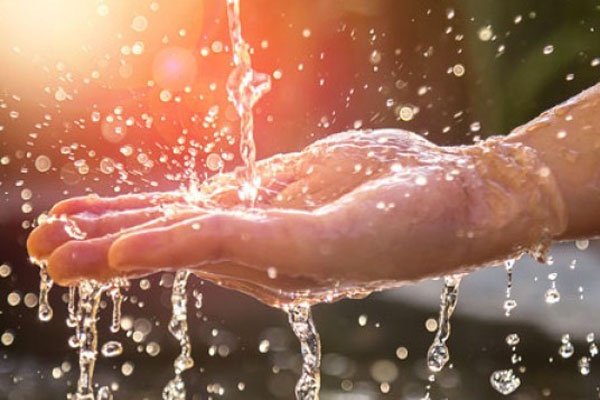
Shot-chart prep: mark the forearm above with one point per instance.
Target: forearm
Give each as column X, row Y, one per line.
column 567, row 140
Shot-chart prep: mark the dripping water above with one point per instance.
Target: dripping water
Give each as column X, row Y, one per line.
column 509, row 303
column 178, row 326
column 309, row 383
column 438, row 354
column 45, row 311
column 117, row 299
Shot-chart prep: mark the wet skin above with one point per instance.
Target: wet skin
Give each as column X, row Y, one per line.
column 351, row 213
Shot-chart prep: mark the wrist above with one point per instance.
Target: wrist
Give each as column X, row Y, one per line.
column 521, row 193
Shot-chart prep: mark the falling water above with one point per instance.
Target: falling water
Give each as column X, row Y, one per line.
column 438, row 354
column 300, row 318
column 178, row 326
column 90, row 293
column 245, row 87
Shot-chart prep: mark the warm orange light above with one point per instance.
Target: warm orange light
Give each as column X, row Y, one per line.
column 174, row 68
column 113, row 42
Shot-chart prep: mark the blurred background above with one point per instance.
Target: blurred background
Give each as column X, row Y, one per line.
column 120, row 96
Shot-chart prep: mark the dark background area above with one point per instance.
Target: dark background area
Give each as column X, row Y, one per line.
column 344, row 64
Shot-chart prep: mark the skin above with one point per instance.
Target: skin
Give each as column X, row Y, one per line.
column 351, row 213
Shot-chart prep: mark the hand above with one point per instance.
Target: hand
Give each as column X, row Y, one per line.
column 351, row 213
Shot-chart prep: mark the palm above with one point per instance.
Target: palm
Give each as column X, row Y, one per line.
column 356, row 210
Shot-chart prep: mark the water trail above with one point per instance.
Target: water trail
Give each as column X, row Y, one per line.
column 245, row 87
column 90, row 293
column 438, row 354
column 300, row 318
column 178, row 326
column 45, row 311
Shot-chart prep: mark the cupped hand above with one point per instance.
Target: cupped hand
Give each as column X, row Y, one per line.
column 351, row 213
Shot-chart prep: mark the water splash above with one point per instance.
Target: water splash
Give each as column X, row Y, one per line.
column 178, row 326
column 45, row 311
column 300, row 318
column 438, row 354
column 245, row 87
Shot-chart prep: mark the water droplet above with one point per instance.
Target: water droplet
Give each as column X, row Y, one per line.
column 139, row 23
column 513, row 339
column 566, row 349
column 7, row 338
column 593, row 349
column 405, row 113
column 508, row 306
column 458, row 70
column 5, row 270
column 43, row 163
column 552, row 296
column 112, row 349
column 584, row 365
column 214, row 162
column 104, row 393
column 549, row 49
column 505, row 381
column 485, row 33
column 437, row 357
column 375, row 57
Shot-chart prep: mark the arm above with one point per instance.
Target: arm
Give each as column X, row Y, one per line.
column 567, row 139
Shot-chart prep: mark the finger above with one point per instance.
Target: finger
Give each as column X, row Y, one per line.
column 88, row 259
column 94, row 204
column 56, row 231
column 289, row 240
